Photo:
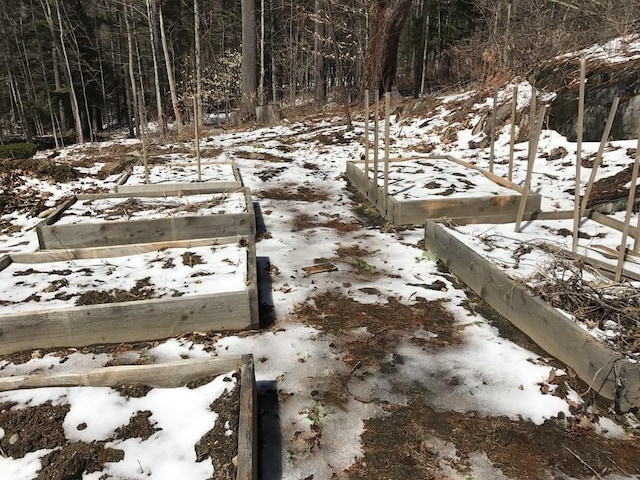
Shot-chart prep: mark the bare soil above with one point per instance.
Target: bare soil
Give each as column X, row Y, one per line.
column 29, row 429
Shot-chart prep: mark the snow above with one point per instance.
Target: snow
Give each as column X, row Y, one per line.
column 493, row 376
column 49, row 285
column 181, row 416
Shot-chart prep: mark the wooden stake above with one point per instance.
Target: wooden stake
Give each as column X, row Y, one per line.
column 376, row 142
column 596, row 162
column 366, row 140
column 636, row 243
column 493, row 129
column 532, row 117
column 387, row 144
column 196, row 140
column 533, row 149
column 627, row 217
column 512, row 137
column 143, row 130
column 579, row 130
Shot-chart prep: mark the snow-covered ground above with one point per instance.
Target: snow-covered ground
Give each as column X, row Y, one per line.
column 308, row 215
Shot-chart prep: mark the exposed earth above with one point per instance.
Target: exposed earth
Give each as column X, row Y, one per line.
column 410, row 440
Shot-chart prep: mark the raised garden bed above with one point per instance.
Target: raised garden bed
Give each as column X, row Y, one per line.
column 184, row 419
column 121, row 219
column 77, row 297
column 170, row 177
column 430, row 188
column 608, row 372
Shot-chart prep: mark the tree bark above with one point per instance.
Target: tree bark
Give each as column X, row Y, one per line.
column 249, row 83
column 320, row 90
column 170, row 76
column 386, row 21
column 156, row 74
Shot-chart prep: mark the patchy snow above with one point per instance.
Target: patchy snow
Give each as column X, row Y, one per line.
column 167, row 273
column 171, row 173
column 484, row 373
column 180, row 415
column 133, row 208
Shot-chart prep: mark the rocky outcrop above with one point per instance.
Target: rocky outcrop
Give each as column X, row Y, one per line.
column 603, row 82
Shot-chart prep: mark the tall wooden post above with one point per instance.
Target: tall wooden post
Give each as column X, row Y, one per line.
column 579, row 131
column 627, row 217
column 366, row 140
column 493, row 129
column 196, row 135
column 387, row 144
column 533, row 150
column 596, row 162
column 512, row 135
column 375, row 146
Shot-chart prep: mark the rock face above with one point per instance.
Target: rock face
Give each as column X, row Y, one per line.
column 603, row 82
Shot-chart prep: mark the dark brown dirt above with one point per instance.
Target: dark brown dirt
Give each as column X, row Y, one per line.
column 29, row 429
column 336, row 314
column 216, row 444
column 401, row 445
column 298, row 194
column 143, row 290
column 612, row 188
column 43, row 169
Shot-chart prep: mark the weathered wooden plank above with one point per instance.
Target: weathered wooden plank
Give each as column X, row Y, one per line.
column 252, row 284
column 593, row 361
column 124, row 232
column 124, row 322
column 164, row 188
column 505, row 218
column 247, row 424
column 476, row 208
column 117, row 250
column 611, row 222
column 179, row 192
column 162, row 375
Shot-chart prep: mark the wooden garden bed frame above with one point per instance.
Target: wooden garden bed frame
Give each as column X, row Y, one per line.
column 163, row 188
column 140, row 230
column 168, row 375
column 465, row 210
column 129, row 321
column 606, row 372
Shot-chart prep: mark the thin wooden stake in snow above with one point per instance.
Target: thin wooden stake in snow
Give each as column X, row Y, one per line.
column 512, row 135
column 142, row 129
column 579, row 130
column 533, row 149
column 627, row 217
column 196, row 139
column 375, row 146
column 596, row 162
column 366, row 140
column 532, row 117
column 387, row 118
column 492, row 149
column 636, row 243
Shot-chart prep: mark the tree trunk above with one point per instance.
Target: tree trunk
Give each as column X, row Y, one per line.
column 132, row 74
column 320, row 90
column 171, row 78
column 381, row 62
column 156, row 73
column 196, row 34
column 249, row 84
column 74, row 99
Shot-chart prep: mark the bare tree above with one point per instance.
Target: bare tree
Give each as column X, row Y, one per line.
column 249, row 83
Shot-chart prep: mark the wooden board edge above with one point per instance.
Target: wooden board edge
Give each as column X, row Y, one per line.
column 212, row 187
column 252, row 283
column 168, row 374
column 593, row 362
column 117, row 250
column 248, row 424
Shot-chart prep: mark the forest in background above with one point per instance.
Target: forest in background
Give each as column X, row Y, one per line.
column 76, row 67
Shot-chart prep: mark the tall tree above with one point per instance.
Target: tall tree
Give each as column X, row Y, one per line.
column 249, row 47
column 386, row 20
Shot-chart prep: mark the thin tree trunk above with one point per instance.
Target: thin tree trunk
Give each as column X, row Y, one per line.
column 249, row 87
column 171, row 78
column 74, row 99
column 196, row 34
column 320, row 91
column 156, row 73
column 132, row 74
column 341, row 79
